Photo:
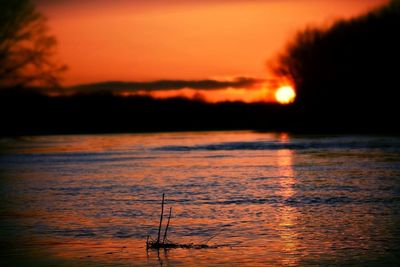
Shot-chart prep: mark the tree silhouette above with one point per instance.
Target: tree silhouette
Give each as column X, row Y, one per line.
column 349, row 67
column 26, row 47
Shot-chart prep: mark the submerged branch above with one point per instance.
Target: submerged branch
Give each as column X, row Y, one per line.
column 166, row 228
column 161, row 218
column 166, row 244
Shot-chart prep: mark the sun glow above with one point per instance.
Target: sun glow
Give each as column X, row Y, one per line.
column 285, row 95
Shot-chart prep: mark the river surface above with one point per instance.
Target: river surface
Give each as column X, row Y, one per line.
column 265, row 199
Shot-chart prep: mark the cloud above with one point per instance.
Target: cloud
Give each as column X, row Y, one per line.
column 140, row 2
column 165, row 85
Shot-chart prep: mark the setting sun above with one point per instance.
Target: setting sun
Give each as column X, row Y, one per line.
column 285, row 95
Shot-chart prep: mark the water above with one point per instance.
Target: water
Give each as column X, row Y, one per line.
column 268, row 199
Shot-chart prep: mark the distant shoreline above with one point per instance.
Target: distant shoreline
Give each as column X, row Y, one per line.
column 35, row 114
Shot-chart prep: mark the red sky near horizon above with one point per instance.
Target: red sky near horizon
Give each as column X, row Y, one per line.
column 122, row 40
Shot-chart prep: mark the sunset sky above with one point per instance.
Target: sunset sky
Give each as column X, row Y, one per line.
column 134, row 40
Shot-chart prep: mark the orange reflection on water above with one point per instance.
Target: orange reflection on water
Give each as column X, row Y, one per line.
column 94, row 199
column 287, row 214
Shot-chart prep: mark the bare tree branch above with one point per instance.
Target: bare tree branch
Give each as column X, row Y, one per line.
column 26, row 48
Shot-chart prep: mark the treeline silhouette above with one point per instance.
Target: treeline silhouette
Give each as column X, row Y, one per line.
column 347, row 73
column 27, row 112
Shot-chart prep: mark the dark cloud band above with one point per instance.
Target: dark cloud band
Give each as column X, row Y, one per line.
column 166, row 85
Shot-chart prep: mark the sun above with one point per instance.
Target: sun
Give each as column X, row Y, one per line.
column 285, row 95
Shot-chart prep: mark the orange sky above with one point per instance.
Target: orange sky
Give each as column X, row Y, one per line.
column 132, row 40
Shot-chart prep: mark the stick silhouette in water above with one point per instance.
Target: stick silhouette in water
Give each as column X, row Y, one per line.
column 161, row 218
column 165, row 244
column 166, row 228
column 157, row 244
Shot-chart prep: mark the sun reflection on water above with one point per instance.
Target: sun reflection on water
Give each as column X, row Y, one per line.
column 287, row 214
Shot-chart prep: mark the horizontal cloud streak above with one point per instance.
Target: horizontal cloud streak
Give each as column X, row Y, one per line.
column 166, row 85
column 148, row 2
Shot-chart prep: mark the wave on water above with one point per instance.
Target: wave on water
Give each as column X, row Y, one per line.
column 329, row 143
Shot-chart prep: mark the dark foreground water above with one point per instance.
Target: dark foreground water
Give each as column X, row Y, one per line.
column 268, row 199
